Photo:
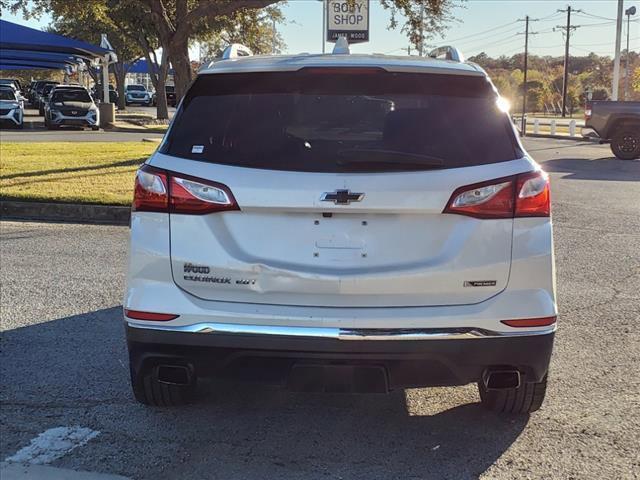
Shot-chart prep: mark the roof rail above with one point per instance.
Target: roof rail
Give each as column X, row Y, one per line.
column 449, row 53
column 341, row 47
column 236, row 50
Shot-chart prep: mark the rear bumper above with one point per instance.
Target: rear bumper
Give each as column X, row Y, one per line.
column 418, row 358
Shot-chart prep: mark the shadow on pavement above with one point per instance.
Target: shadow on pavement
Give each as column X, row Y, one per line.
column 600, row 169
column 74, row 371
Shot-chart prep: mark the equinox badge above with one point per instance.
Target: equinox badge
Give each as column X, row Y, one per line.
column 342, row 197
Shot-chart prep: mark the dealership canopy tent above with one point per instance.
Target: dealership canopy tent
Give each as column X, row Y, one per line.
column 19, row 43
column 27, row 48
column 142, row 66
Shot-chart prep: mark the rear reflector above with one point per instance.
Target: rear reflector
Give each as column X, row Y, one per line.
column 524, row 195
column 151, row 316
column 530, row 322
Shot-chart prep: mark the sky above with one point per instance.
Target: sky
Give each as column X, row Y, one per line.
column 488, row 26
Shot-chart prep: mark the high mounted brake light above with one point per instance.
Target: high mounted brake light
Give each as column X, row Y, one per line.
column 159, row 190
column 524, row 195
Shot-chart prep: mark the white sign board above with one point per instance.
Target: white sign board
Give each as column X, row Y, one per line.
column 348, row 19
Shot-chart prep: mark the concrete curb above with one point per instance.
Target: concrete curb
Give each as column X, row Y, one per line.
column 65, row 212
column 563, row 137
column 113, row 128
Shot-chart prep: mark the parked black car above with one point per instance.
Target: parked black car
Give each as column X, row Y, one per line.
column 96, row 93
column 37, row 92
column 71, row 105
column 44, row 97
column 171, row 96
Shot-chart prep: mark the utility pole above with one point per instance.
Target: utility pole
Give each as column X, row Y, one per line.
column 616, row 62
column 565, row 78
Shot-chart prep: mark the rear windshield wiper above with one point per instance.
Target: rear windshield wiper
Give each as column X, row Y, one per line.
column 394, row 157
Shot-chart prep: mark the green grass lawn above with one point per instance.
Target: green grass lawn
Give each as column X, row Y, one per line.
column 88, row 172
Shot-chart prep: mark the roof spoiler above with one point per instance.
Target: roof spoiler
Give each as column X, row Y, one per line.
column 448, row 53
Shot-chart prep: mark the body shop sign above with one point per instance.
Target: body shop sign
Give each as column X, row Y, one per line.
column 348, row 18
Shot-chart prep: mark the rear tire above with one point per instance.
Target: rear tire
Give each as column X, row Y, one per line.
column 625, row 144
column 148, row 390
column 525, row 399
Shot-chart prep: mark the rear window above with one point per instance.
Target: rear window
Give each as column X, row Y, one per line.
column 342, row 120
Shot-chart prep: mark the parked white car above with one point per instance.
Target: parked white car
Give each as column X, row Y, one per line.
column 11, row 107
column 137, row 94
column 352, row 222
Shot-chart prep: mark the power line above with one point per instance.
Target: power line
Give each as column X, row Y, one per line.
column 587, row 14
column 495, row 34
column 482, row 33
column 497, row 43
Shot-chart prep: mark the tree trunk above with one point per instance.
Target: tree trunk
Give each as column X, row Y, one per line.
column 162, row 111
column 158, row 74
column 179, row 57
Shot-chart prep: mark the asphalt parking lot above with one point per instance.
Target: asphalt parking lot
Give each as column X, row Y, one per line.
column 63, row 363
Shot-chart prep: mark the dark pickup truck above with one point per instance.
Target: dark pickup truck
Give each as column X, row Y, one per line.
column 617, row 123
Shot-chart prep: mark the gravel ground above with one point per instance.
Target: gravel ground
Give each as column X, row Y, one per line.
column 63, row 363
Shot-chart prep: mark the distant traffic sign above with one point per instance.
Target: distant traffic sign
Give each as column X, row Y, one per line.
column 348, row 18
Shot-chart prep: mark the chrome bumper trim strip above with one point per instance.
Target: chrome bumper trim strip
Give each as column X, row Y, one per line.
column 340, row 333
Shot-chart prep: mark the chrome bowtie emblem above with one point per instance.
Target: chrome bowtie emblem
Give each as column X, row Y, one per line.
column 342, row 197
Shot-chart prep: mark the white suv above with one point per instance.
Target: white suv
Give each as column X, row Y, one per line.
column 345, row 223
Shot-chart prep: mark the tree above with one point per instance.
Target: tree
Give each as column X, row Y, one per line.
column 178, row 21
column 424, row 18
column 254, row 28
column 88, row 27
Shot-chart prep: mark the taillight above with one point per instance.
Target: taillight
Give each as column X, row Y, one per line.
column 196, row 196
column 524, row 195
column 162, row 191
column 151, row 191
column 149, row 316
column 533, row 198
column 587, row 114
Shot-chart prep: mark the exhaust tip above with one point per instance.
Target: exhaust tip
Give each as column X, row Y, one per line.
column 501, row 379
column 174, row 374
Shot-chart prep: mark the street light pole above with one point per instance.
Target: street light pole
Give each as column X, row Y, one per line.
column 324, row 24
column 628, row 12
